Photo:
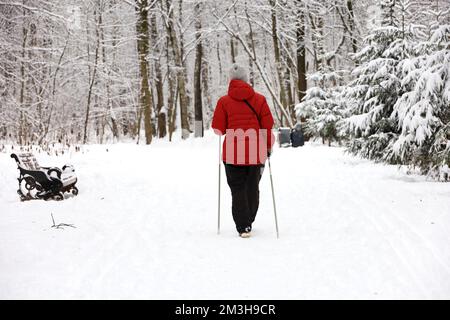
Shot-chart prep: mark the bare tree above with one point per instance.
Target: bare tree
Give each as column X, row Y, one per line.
column 198, row 106
column 143, row 51
column 180, row 70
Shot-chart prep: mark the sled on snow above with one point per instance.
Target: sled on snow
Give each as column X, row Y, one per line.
column 47, row 183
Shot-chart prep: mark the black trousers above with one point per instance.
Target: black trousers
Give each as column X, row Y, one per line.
column 244, row 184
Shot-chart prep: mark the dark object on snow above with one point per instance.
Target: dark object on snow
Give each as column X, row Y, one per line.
column 297, row 138
column 288, row 137
column 36, row 182
column 284, row 137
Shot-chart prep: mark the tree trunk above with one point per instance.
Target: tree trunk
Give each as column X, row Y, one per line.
column 162, row 121
column 108, row 109
column 219, row 61
column 276, row 46
column 251, row 44
column 183, row 70
column 22, row 118
column 92, row 80
column 232, row 51
column 289, row 97
column 143, row 50
column 171, row 105
column 301, row 52
column 184, row 101
column 352, row 25
column 317, row 41
column 198, row 106
column 208, row 109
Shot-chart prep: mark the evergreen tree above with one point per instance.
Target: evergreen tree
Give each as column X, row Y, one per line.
column 321, row 107
column 423, row 112
column 371, row 96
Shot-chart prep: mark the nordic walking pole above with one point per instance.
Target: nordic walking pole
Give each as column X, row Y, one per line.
column 218, row 198
column 273, row 198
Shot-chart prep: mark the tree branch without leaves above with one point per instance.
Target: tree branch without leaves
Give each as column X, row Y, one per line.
column 61, row 225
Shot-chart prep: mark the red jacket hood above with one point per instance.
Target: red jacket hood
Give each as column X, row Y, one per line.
column 240, row 90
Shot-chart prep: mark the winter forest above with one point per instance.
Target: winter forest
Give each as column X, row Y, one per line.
column 370, row 75
column 109, row 106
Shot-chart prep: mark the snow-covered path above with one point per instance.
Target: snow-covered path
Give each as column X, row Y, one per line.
column 146, row 228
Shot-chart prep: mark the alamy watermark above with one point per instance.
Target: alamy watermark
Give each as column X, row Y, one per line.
column 246, row 146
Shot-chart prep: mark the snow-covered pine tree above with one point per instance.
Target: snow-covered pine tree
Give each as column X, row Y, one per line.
column 321, row 106
column 371, row 96
column 423, row 112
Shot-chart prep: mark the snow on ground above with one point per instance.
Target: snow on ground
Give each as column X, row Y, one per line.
column 146, row 228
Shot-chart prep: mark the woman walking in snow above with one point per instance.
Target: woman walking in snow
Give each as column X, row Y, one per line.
column 245, row 118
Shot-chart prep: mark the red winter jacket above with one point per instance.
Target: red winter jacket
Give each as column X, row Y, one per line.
column 245, row 141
